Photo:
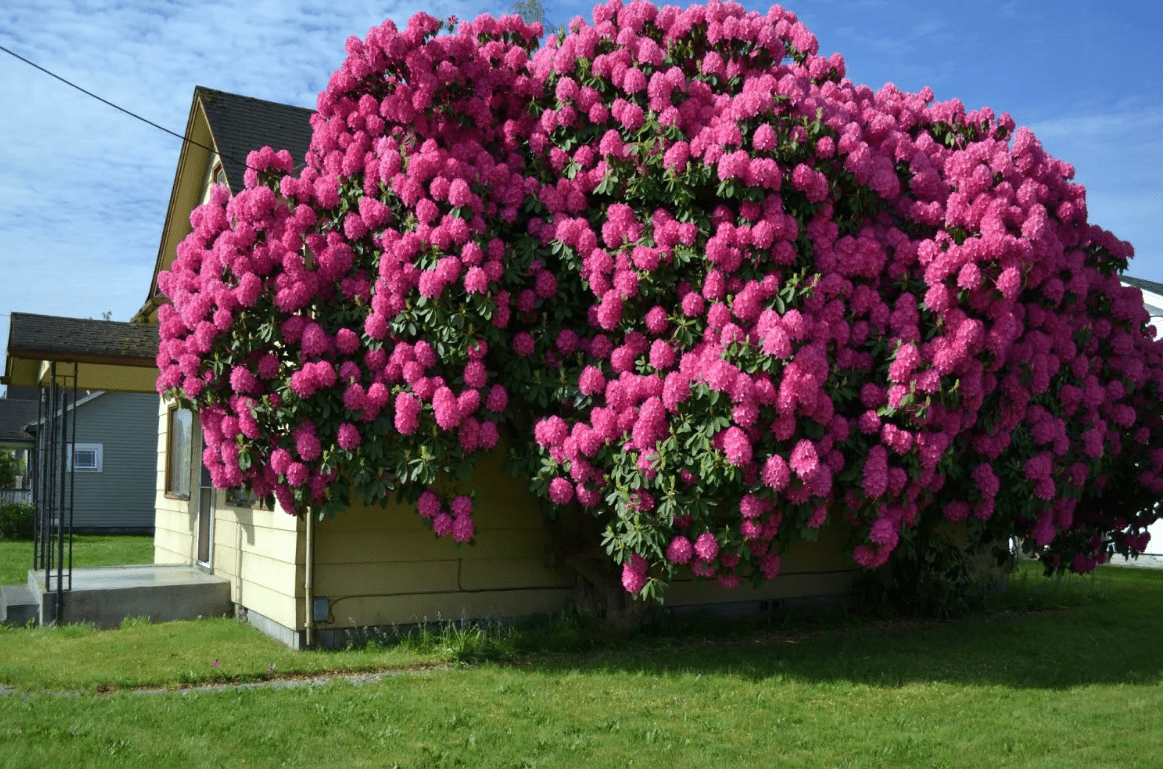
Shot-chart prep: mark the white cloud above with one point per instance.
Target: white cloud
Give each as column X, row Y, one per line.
column 1117, row 156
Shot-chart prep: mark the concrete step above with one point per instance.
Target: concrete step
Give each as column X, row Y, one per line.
column 18, row 604
column 106, row 595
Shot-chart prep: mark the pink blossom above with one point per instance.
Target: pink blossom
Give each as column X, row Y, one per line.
column 349, row 437
column 497, row 400
column 443, row 524
column 461, row 506
column 634, row 573
column 591, row 381
column 462, row 528
column 560, row 491
column 736, row 446
column 475, row 374
column 428, row 505
column 679, row 550
column 551, row 431
column 776, row 473
column 523, row 344
column 446, row 408
column 242, row 381
column 876, row 472
column 706, row 547
column 804, row 460
column 407, row 413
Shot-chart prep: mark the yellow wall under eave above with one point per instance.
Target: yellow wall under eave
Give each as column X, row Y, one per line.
column 260, row 551
column 175, row 520
column 382, row 566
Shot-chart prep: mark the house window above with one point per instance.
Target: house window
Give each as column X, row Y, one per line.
column 214, row 175
column 180, row 452
column 240, row 497
column 87, row 457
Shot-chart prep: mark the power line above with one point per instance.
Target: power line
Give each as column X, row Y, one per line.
column 114, row 106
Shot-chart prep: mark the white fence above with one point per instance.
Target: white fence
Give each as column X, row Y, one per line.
column 15, row 496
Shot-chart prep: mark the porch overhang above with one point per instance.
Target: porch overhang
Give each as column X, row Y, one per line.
column 102, row 355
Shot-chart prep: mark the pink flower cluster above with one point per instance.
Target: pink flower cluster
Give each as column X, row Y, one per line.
column 828, row 305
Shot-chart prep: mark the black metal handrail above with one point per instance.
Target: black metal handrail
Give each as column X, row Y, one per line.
column 53, row 482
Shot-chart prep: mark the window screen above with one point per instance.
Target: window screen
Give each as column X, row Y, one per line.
column 87, row 457
column 178, row 477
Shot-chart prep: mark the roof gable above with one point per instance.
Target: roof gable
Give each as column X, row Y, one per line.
column 226, row 126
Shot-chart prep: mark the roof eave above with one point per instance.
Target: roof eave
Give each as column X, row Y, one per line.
column 153, row 298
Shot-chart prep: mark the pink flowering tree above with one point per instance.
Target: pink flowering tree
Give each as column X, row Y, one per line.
column 703, row 286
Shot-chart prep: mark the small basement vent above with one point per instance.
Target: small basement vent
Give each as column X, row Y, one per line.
column 320, row 609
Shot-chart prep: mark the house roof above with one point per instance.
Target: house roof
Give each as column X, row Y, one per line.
column 49, row 337
column 1147, row 286
column 14, row 415
column 38, row 419
column 241, row 124
column 96, row 354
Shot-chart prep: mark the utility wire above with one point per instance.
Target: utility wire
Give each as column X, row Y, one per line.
column 114, row 106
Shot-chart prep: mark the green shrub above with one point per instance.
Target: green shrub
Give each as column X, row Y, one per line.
column 16, row 521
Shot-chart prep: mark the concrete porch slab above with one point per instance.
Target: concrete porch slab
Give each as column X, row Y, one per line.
column 18, row 605
column 105, row 596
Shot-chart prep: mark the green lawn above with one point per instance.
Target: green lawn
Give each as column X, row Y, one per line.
column 88, row 550
column 1078, row 683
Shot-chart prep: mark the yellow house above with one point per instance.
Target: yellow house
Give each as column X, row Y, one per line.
column 305, row 581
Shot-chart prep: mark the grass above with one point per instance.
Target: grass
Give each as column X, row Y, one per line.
column 140, row 654
column 88, row 550
column 1078, row 683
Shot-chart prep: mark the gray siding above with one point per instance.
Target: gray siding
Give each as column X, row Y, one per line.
column 121, row 495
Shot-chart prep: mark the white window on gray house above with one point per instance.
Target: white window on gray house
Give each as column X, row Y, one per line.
column 87, row 457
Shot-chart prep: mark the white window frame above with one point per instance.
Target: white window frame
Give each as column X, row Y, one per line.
column 98, row 458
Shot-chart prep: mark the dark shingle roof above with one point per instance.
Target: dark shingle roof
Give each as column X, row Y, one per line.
column 53, row 338
column 14, row 415
column 241, row 124
column 1143, row 285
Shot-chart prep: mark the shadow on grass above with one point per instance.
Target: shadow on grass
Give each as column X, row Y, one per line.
column 1108, row 634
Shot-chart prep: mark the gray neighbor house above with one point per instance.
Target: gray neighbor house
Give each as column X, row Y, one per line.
column 111, row 437
column 18, row 408
column 113, row 457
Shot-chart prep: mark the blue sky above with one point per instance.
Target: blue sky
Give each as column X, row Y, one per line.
column 84, row 188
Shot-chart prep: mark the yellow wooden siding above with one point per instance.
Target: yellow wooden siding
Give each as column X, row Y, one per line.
column 171, row 545
column 377, row 545
column 360, row 611
column 272, row 604
column 803, row 585
column 262, row 558
column 384, row 565
column 385, row 578
column 498, row 574
column 807, row 570
column 174, row 526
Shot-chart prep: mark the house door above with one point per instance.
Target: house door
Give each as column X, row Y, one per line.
column 205, row 518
